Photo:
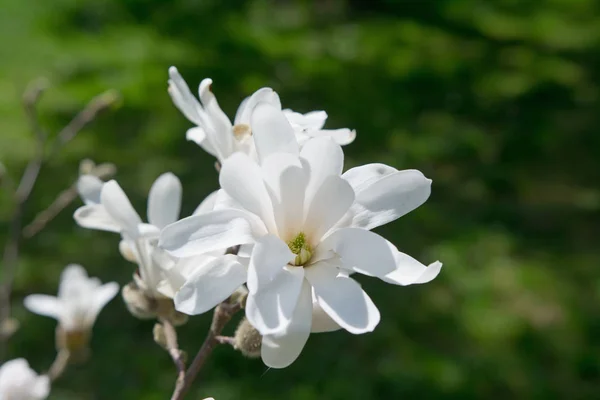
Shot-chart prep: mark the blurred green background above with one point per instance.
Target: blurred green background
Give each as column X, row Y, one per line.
column 496, row 101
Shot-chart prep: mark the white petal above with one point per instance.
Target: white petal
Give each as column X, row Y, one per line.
column 72, row 275
column 241, row 178
column 342, row 136
column 95, row 216
column 264, row 95
column 324, row 158
column 102, row 296
column 222, row 139
column 268, row 258
column 361, row 251
column 271, row 309
column 42, row 304
column 117, row 205
column 272, row 132
column 183, row 98
column 208, row 204
column 321, row 321
column 286, row 181
column 198, row 136
column 328, row 206
column 409, row 271
column 164, row 200
column 313, row 120
column 343, row 299
column 41, row 387
column 280, row 350
column 210, row 284
column 384, row 194
column 201, row 233
column 89, row 188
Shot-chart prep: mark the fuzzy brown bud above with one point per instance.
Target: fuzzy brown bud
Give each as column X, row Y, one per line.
column 247, row 339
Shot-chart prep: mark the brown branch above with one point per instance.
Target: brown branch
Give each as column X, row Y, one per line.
column 61, row 201
column 222, row 314
column 173, row 349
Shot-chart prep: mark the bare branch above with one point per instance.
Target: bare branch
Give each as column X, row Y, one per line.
column 221, row 316
column 173, row 349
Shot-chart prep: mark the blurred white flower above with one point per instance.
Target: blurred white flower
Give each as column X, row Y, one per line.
column 215, row 133
column 80, row 299
column 309, row 228
column 19, row 382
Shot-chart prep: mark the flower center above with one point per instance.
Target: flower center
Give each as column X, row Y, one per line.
column 241, row 131
column 301, row 249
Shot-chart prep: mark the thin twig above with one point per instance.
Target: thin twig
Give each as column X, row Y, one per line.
column 221, row 316
column 173, row 349
column 61, row 201
column 226, row 340
column 59, row 365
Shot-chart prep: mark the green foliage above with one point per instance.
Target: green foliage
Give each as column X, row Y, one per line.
column 497, row 102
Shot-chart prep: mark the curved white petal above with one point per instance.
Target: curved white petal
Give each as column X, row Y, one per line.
column 263, row 95
column 269, row 257
column 209, row 285
column 361, row 251
column 221, row 132
column 42, row 304
column 40, row 388
column 384, row 194
column 183, row 98
column 89, row 188
column 242, row 179
column 410, row 271
column 198, row 136
column 95, row 216
column 119, row 207
column 208, row 204
column 343, row 299
column 164, row 200
column 324, row 158
column 313, row 120
column 321, row 321
column 328, row 206
column 272, row 132
column 215, row 230
column 270, row 310
column 280, row 350
column 342, row 136
column 286, row 180
column 101, row 297
column 72, row 275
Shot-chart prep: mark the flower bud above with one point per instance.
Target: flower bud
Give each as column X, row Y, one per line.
column 141, row 306
column 138, row 304
column 247, row 339
column 76, row 342
column 240, row 295
column 159, row 335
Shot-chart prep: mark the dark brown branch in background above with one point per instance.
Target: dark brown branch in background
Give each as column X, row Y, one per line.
column 23, row 191
column 221, row 317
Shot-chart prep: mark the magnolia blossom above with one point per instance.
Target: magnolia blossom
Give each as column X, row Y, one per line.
column 19, row 382
column 80, row 299
column 215, row 133
column 307, row 227
column 108, row 208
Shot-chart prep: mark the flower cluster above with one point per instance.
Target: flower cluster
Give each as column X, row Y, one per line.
column 303, row 226
column 282, row 237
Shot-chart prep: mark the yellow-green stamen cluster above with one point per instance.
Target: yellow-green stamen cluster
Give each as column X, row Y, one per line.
column 301, row 248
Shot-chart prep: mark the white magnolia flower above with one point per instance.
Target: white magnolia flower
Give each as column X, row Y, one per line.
column 309, row 226
column 108, row 208
column 215, row 133
column 80, row 299
column 19, row 382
